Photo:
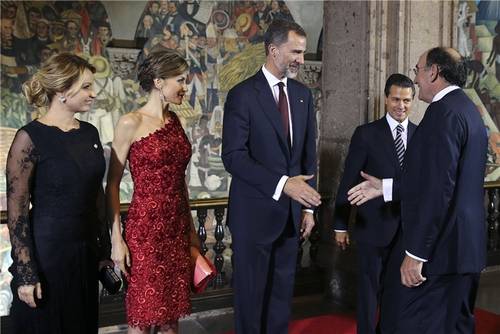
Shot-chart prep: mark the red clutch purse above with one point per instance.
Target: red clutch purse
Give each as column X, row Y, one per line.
column 203, row 272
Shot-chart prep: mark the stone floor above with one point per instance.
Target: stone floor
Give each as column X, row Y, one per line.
column 220, row 321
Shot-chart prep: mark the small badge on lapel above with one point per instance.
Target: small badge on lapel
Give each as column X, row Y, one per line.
column 95, row 146
column 301, row 101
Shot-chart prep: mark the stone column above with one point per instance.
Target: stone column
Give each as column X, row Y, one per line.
column 345, row 104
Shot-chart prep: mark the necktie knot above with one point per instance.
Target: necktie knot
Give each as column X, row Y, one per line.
column 281, row 84
column 400, row 128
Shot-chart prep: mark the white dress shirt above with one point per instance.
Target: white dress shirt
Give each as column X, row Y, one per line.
column 393, row 124
column 387, row 183
column 273, row 84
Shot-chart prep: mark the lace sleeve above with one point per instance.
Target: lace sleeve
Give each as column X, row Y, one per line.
column 21, row 163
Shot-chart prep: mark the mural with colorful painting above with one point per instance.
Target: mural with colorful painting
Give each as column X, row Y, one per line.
column 479, row 42
column 222, row 41
column 32, row 31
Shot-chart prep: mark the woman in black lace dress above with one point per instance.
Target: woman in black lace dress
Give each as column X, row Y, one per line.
column 54, row 173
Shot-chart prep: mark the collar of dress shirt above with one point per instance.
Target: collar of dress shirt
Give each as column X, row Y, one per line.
column 443, row 92
column 271, row 79
column 393, row 123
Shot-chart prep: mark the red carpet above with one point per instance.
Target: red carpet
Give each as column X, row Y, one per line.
column 486, row 323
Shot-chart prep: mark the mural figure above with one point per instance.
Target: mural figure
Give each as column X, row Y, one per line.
column 478, row 41
column 221, row 42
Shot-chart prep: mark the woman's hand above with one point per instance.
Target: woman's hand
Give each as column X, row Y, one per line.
column 120, row 255
column 27, row 293
column 194, row 240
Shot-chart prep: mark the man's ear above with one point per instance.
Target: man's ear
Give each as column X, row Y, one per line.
column 434, row 72
column 273, row 50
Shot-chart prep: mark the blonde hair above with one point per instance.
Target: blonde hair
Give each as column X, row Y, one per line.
column 56, row 75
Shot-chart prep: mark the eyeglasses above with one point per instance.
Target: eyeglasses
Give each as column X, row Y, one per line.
column 417, row 69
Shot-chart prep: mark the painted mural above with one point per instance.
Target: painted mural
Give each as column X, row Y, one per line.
column 32, row 31
column 479, row 41
column 222, row 41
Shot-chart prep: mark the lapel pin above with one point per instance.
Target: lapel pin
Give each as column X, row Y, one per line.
column 301, row 101
column 95, row 146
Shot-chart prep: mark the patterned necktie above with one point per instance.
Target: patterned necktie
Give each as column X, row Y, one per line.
column 400, row 148
column 283, row 109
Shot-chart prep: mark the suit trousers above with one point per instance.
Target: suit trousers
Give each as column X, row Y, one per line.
column 443, row 304
column 263, row 280
column 372, row 261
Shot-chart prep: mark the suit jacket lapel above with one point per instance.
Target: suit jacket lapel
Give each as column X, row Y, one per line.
column 296, row 112
column 411, row 130
column 270, row 108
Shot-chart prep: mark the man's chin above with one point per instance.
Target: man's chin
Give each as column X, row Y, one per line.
column 291, row 74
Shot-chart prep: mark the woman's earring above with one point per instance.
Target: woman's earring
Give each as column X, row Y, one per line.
column 62, row 98
column 162, row 97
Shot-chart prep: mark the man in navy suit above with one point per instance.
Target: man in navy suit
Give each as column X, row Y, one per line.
column 269, row 147
column 434, row 269
column 376, row 148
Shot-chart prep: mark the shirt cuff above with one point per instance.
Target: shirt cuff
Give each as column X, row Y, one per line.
column 387, row 189
column 340, row 230
column 308, row 211
column 279, row 188
column 415, row 257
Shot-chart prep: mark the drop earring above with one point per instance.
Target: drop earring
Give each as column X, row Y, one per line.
column 162, row 97
column 62, row 98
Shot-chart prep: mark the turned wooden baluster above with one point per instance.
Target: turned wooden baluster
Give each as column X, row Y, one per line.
column 492, row 219
column 201, row 214
column 219, row 246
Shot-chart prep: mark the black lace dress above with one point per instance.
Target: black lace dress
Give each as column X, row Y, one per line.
column 60, row 240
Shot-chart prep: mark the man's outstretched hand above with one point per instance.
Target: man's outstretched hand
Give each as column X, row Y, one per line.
column 297, row 188
column 366, row 190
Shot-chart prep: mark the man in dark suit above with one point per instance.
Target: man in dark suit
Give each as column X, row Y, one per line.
column 269, row 147
column 434, row 269
column 378, row 149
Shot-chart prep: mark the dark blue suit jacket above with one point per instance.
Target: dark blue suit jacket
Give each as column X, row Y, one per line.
column 373, row 151
column 442, row 203
column 256, row 153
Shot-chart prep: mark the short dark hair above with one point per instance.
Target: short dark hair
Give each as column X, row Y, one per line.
column 277, row 32
column 400, row 80
column 451, row 65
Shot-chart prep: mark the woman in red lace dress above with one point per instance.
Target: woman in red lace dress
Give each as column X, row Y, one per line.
column 159, row 230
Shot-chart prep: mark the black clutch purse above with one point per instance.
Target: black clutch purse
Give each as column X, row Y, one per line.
column 110, row 280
